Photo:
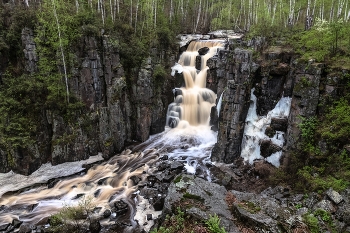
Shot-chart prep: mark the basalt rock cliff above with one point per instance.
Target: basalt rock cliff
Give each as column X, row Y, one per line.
column 117, row 112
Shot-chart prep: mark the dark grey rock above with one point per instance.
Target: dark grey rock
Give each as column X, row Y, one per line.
column 324, row 205
column 16, row 223
column 95, row 226
column 107, row 213
column 4, row 226
column 204, row 193
column 203, row 51
column 121, row 207
column 24, row 228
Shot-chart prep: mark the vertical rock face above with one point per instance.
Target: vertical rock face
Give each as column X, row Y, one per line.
column 275, row 74
column 234, row 107
column 306, row 93
column 29, row 50
column 117, row 112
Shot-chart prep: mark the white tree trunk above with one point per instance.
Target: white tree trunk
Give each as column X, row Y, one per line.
column 198, row 15
column 137, row 9
column 130, row 12
column 61, row 48
column 77, row 5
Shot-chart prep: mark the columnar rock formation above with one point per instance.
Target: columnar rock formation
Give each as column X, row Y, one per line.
column 117, row 114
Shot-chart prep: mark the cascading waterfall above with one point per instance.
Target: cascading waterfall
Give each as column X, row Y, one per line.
column 189, row 139
column 192, row 104
column 254, row 131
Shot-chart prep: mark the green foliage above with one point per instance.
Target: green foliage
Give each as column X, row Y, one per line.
column 213, row 224
column 324, row 215
column 323, row 42
column 308, row 128
column 298, row 206
column 319, row 180
column 336, row 125
column 312, row 222
column 72, row 218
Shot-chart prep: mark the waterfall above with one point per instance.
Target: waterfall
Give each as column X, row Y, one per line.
column 254, row 131
column 192, row 104
column 188, row 140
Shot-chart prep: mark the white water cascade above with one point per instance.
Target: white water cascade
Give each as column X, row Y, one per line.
column 255, row 127
column 193, row 104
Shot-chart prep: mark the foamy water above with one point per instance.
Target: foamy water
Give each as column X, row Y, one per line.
column 255, row 127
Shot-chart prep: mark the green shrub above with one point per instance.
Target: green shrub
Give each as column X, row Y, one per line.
column 213, row 224
column 312, row 222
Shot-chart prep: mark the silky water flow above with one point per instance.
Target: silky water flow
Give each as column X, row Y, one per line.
column 187, row 138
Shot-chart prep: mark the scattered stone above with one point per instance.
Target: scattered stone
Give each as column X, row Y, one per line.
column 325, row 205
column 311, row 200
column 16, row 223
column 97, row 210
column 95, row 226
column 159, row 203
column 3, row 227
column 176, row 165
column 121, row 207
column 302, row 211
column 162, row 166
column 107, row 213
column 334, row 196
column 135, row 179
column 25, row 229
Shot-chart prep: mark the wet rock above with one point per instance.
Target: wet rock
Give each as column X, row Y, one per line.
column 279, row 124
column 203, row 51
column 16, row 223
column 4, row 226
column 159, row 203
column 10, row 229
column 135, row 179
column 25, row 229
column 52, row 183
column 176, row 165
column 270, row 132
column 95, row 226
column 267, row 148
column 334, row 196
column 121, row 207
column 163, row 166
column 107, row 213
column 149, row 217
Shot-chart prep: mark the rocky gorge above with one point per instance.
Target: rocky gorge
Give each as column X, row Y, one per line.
column 120, row 112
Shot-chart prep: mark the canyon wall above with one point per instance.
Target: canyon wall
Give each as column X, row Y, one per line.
column 117, row 112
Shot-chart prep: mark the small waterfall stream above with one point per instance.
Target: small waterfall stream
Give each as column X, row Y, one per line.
column 187, row 139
